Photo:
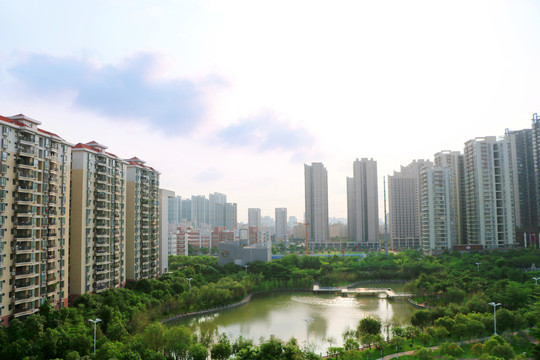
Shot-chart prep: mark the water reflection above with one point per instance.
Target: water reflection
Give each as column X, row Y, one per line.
column 283, row 314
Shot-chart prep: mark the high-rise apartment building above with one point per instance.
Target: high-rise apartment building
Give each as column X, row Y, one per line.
column 363, row 204
column 97, row 227
column 436, row 209
column 199, row 210
column 186, row 210
column 281, row 224
column 34, row 217
column 316, row 191
column 167, row 226
column 231, row 216
column 404, row 204
column 142, row 223
column 524, row 181
column 254, row 218
column 536, row 156
column 216, row 209
column 489, row 192
column 454, row 162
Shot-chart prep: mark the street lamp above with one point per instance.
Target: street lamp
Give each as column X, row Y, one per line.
column 189, row 280
column 478, row 267
column 246, row 266
column 494, row 316
column 95, row 324
column 535, row 280
column 307, row 330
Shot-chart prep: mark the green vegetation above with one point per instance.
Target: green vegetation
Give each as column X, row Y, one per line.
column 455, row 288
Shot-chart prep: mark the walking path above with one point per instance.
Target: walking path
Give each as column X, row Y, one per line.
column 207, row 311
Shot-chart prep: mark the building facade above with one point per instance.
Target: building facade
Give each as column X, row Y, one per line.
column 254, row 217
column 34, row 217
column 404, row 205
column 489, row 192
column 142, row 222
column 436, row 209
column 316, row 195
column 363, row 204
column 454, row 162
column 97, row 227
column 281, row 224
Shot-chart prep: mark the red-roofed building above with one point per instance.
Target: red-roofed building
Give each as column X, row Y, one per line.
column 98, row 216
column 142, row 221
column 34, row 217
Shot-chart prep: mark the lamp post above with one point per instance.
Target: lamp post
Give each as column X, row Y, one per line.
column 189, row 281
column 535, row 280
column 95, row 325
column 307, row 330
column 494, row 316
column 246, row 266
column 478, row 267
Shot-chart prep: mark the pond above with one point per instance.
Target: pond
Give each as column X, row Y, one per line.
column 283, row 314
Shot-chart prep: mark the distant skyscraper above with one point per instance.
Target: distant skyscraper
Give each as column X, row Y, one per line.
column 489, row 192
column 174, row 209
column 524, row 181
column 216, row 209
column 281, row 224
column 254, row 217
column 453, row 161
column 536, row 156
column 186, row 210
column 363, row 205
column 436, row 209
column 231, row 222
column 316, row 191
column 167, row 226
column 199, row 210
column 404, row 203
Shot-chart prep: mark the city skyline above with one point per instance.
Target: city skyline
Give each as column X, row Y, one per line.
column 228, row 103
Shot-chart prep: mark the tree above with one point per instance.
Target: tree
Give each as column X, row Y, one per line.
column 222, row 349
column 423, row 353
column 411, row 332
column 178, row 339
column 503, row 351
column 351, row 344
column 369, row 325
column 421, row 318
column 197, row 352
column 451, row 349
column 154, row 336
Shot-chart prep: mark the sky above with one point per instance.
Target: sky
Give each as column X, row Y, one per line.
column 236, row 96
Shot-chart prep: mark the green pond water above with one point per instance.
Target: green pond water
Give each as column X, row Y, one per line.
column 283, row 314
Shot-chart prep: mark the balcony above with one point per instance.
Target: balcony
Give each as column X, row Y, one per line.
column 26, row 174
column 25, row 249
column 25, row 285
column 24, row 311
column 25, row 199
column 27, row 163
column 27, row 149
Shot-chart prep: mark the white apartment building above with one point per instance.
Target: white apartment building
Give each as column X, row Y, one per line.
column 436, row 209
column 316, row 195
column 454, row 162
column 363, row 204
column 489, row 192
column 281, row 224
column 404, row 205
column 254, row 217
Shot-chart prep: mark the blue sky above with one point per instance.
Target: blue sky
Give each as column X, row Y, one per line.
column 235, row 96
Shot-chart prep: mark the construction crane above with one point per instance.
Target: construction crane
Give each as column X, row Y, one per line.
column 306, row 225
